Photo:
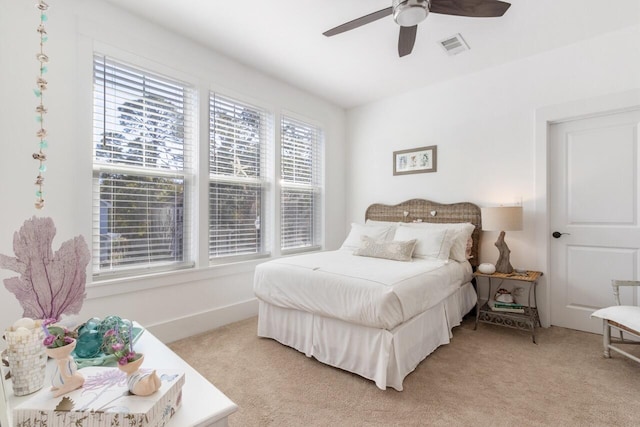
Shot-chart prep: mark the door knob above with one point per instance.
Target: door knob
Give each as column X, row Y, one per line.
column 558, row 234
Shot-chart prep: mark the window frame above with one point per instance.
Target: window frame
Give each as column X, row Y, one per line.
column 316, row 186
column 263, row 181
column 185, row 173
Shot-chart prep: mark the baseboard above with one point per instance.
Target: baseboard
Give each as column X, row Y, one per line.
column 183, row 327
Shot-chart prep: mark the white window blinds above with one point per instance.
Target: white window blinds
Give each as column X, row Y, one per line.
column 142, row 126
column 237, row 177
column 300, row 197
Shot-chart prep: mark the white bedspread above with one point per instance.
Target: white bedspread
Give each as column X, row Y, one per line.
column 373, row 292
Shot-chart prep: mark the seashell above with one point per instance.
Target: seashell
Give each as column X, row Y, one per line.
column 41, row 29
column 42, row 5
column 22, row 331
column 39, row 156
column 25, row 322
column 508, row 298
column 144, row 384
column 42, row 57
column 41, row 109
column 41, row 133
column 66, row 404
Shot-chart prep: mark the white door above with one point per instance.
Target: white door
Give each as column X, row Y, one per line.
column 594, row 187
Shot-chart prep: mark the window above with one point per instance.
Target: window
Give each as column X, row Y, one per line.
column 145, row 169
column 141, row 130
column 300, row 195
column 237, row 177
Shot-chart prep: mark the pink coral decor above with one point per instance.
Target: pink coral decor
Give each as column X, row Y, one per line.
column 50, row 284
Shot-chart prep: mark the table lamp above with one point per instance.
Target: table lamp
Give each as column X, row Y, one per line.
column 502, row 218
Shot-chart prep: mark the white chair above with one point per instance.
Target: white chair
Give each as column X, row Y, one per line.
column 625, row 318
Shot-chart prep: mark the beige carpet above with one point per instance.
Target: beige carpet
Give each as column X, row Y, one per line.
column 490, row 377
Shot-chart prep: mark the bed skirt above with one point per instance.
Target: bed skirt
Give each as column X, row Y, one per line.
column 383, row 356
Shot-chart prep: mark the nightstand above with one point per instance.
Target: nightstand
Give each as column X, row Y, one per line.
column 525, row 321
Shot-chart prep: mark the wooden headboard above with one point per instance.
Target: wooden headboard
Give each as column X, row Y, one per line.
column 428, row 211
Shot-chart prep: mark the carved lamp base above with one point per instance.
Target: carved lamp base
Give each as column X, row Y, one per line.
column 503, row 265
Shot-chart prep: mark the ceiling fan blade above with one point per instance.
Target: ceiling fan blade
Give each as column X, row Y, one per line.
column 473, row 8
column 359, row 22
column 406, row 40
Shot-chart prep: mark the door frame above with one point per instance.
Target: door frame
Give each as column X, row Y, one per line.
column 544, row 118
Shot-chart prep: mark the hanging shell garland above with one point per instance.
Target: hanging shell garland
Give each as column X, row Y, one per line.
column 41, row 86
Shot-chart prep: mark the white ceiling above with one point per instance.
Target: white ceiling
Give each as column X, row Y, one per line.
column 283, row 38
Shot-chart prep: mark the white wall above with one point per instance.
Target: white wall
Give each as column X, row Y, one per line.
column 484, row 127
column 174, row 305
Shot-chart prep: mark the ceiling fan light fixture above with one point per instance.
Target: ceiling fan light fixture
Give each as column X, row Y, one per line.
column 408, row 13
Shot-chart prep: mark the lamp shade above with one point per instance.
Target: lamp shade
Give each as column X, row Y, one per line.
column 503, row 218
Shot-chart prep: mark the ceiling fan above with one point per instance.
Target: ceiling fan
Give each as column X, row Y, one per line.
column 409, row 13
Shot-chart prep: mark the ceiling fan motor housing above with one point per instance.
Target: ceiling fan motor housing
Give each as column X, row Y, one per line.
column 408, row 13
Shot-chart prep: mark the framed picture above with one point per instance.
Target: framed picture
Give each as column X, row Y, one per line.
column 415, row 160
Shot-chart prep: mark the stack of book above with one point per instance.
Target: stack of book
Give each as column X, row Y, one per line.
column 509, row 307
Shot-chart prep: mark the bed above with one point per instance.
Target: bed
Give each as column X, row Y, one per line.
column 375, row 317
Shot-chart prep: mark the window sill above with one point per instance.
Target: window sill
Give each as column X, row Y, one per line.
column 297, row 251
column 123, row 285
column 236, row 259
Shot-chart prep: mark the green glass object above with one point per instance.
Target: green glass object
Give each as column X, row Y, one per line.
column 90, row 325
column 109, row 322
column 88, row 345
column 93, row 349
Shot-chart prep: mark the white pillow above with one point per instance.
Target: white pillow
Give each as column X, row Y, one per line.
column 459, row 234
column 459, row 250
column 392, row 224
column 431, row 243
column 376, row 232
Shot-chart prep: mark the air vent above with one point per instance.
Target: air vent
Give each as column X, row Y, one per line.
column 454, row 45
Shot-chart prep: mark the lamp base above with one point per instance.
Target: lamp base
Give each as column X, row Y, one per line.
column 503, row 265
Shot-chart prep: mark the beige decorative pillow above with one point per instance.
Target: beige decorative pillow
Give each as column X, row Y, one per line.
column 394, row 250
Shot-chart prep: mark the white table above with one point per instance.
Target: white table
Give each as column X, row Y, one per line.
column 202, row 403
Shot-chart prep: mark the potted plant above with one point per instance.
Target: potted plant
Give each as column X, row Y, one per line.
column 59, row 342
column 114, row 343
column 129, row 362
column 56, row 336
